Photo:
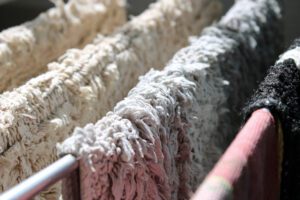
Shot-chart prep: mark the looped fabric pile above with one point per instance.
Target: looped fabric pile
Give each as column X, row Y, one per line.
column 25, row 50
column 80, row 86
column 167, row 134
column 148, row 114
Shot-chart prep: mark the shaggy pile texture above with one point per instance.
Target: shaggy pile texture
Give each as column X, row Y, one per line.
column 280, row 93
column 85, row 84
column 25, row 50
column 163, row 138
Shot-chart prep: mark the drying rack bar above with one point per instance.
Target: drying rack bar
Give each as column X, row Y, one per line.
column 42, row 180
column 68, row 166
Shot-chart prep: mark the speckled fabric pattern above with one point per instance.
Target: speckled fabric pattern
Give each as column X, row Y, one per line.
column 164, row 137
column 25, row 50
column 84, row 84
column 280, row 93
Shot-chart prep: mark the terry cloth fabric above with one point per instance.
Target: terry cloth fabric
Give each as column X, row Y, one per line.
column 85, row 84
column 160, row 141
column 25, row 50
column 249, row 169
column 280, row 93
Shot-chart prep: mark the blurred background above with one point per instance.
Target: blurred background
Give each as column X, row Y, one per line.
column 14, row 12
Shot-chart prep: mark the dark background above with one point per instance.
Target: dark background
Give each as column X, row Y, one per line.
column 14, row 12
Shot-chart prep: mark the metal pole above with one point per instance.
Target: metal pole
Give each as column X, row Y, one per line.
column 41, row 180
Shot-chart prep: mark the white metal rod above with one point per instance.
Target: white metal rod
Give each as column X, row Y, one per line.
column 41, row 180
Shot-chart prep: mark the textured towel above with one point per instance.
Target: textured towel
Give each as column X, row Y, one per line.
column 25, row 50
column 85, row 84
column 160, row 141
column 249, row 169
column 280, row 92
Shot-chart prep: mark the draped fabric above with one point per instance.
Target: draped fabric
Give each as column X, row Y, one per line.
column 25, row 50
column 271, row 157
column 250, row 167
column 86, row 83
column 279, row 92
column 165, row 136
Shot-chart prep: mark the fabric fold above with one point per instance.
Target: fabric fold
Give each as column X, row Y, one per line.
column 25, row 50
column 84, row 84
column 279, row 92
column 165, row 136
column 250, row 167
